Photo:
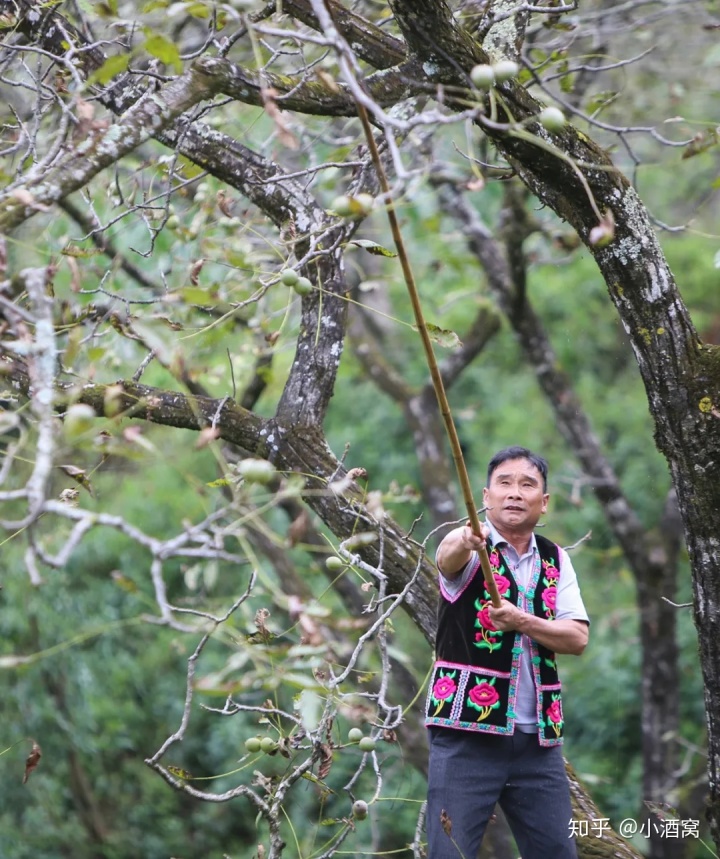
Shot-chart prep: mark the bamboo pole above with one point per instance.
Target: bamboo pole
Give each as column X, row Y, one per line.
column 437, row 381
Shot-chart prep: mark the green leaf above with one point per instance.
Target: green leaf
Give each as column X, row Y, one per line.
column 443, row 336
column 196, row 295
column 236, row 258
column 216, row 484
column 110, row 68
column 600, row 100
column 78, row 252
column 198, row 10
column 164, row 50
column 373, row 248
column 179, row 772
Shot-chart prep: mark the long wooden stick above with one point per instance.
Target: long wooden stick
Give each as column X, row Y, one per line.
column 430, row 356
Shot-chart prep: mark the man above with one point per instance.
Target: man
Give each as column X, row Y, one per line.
column 494, row 706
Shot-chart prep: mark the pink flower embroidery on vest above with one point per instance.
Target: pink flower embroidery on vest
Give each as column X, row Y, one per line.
column 551, row 576
column 549, row 598
column 484, row 698
column 555, row 714
column 489, row 633
column 443, row 690
column 485, row 619
column 503, row 584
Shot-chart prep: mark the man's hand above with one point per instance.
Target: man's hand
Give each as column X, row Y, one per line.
column 507, row 617
column 456, row 549
column 472, row 542
column 560, row 636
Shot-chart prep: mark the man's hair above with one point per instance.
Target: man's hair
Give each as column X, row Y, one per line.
column 517, row 452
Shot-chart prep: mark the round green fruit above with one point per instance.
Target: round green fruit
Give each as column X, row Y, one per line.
column 505, row 70
column 367, row 744
column 360, row 809
column 303, row 286
column 334, row 563
column 289, row 277
column 343, row 206
column 253, row 744
column 482, row 76
column 355, row 735
column 267, row 744
column 256, row 470
column 552, row 118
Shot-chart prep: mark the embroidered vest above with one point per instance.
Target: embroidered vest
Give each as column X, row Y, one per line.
column 473, row 686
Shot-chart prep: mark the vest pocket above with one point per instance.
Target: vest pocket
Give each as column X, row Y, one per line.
column 469, row 698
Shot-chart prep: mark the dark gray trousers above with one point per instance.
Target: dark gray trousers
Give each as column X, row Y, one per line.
column 469, row 773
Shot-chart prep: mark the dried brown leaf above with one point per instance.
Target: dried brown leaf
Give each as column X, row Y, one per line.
column 327, row 80
column 205, row 436
column 445, row 822
column 261, row 615
column 33, row 759
column 75, row 277
column 285, row 136
column 298, row 528
column 195, row 270
column 326, row 759
column 225, row 204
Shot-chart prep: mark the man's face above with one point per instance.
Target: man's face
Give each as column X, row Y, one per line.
column 515, row 497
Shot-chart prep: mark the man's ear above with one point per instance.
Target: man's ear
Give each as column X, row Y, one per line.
column 546, row 498
column 485, row 496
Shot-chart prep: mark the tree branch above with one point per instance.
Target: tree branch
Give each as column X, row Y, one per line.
column 148, row 116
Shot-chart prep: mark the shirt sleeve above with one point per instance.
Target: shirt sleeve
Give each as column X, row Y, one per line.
column 454, row 586
column 569, row 604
